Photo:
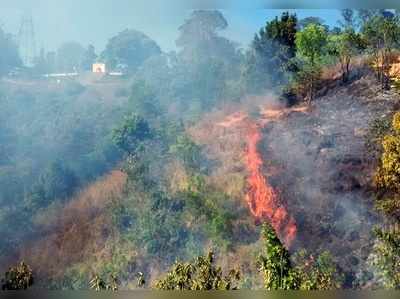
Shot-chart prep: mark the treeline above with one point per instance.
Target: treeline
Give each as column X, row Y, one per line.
column 275, row 265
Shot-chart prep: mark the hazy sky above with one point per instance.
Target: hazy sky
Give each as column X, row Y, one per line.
column 95, row 21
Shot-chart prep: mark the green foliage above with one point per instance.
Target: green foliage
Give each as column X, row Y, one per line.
column 268, row 63
column 142, row 100
column 130, row 135
column 186, row 150
column 202, row 275
column 376, row 132
column 382, row 35
column 345, row 46
column 88, row 58
column 275, row 264
column 56, row 183
column 388, row 174
column 312, row 45
column 69, row 57
column 311, row 42
column 130, row 48
column 19, row 277
column 386, row 258
column 306, row 273
column 317, row 274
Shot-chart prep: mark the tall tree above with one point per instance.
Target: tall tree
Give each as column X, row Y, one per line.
column 349, row 19
column 88, row 58
column 275, row 263
column 382, row 35
column 311, row 44
column 69, row 57
column 130, row 48
column 272, row 49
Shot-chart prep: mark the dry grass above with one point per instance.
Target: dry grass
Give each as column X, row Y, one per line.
column 78, row 232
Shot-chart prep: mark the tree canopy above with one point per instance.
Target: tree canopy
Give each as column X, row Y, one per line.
column 130, row 48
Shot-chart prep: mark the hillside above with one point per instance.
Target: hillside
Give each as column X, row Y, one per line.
column 314, row 160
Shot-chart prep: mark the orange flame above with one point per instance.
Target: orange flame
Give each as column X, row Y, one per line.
column 262, row 198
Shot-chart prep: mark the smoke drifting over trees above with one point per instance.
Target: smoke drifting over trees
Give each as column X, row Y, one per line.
column 108, row 177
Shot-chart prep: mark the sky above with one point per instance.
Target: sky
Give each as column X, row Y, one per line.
column 95, row 21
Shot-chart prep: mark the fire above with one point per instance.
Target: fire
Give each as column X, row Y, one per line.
column 263, row 201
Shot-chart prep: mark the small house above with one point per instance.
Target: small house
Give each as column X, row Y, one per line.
column 99, row 68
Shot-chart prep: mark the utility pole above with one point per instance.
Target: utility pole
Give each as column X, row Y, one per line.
column 26, row 40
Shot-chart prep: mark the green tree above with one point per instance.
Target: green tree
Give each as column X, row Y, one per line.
column 129, row 137
column 318, row 273
column 282, row 272
column 88, row 58
column 201, row 275
column 382, row 35
column 303, row 23
column 349, row 19
column 199, row 37
column 19, row 277
column 275, row 264
column 311, row 44
column 143, row 100
column 386, row 257
column 269, row 60
column 130, row 48
column 69, row 57
column 345, row 46
column 57, row 182
column 388, row 174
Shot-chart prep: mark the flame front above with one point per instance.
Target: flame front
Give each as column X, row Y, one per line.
column 264, row 202
column 262, row 199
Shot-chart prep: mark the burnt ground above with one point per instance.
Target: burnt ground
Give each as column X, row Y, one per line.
column 325, row 173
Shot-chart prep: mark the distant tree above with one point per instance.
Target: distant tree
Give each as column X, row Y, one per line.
column 19, row 277
column 206, row 61
column 349, row 19
column 9, row 56
column 345, row 46
column 130, row 48
column 303, row 23
column 130, row 135
column 199, row 38
column 69, row 57
column 311, row 44
column 143, row 100
column 201, row 275
column 283, row 31
column 272, row 50
column 382, row 35
column 365, row 15
column 57, row 182
column 51, row 61
column 88, row 58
